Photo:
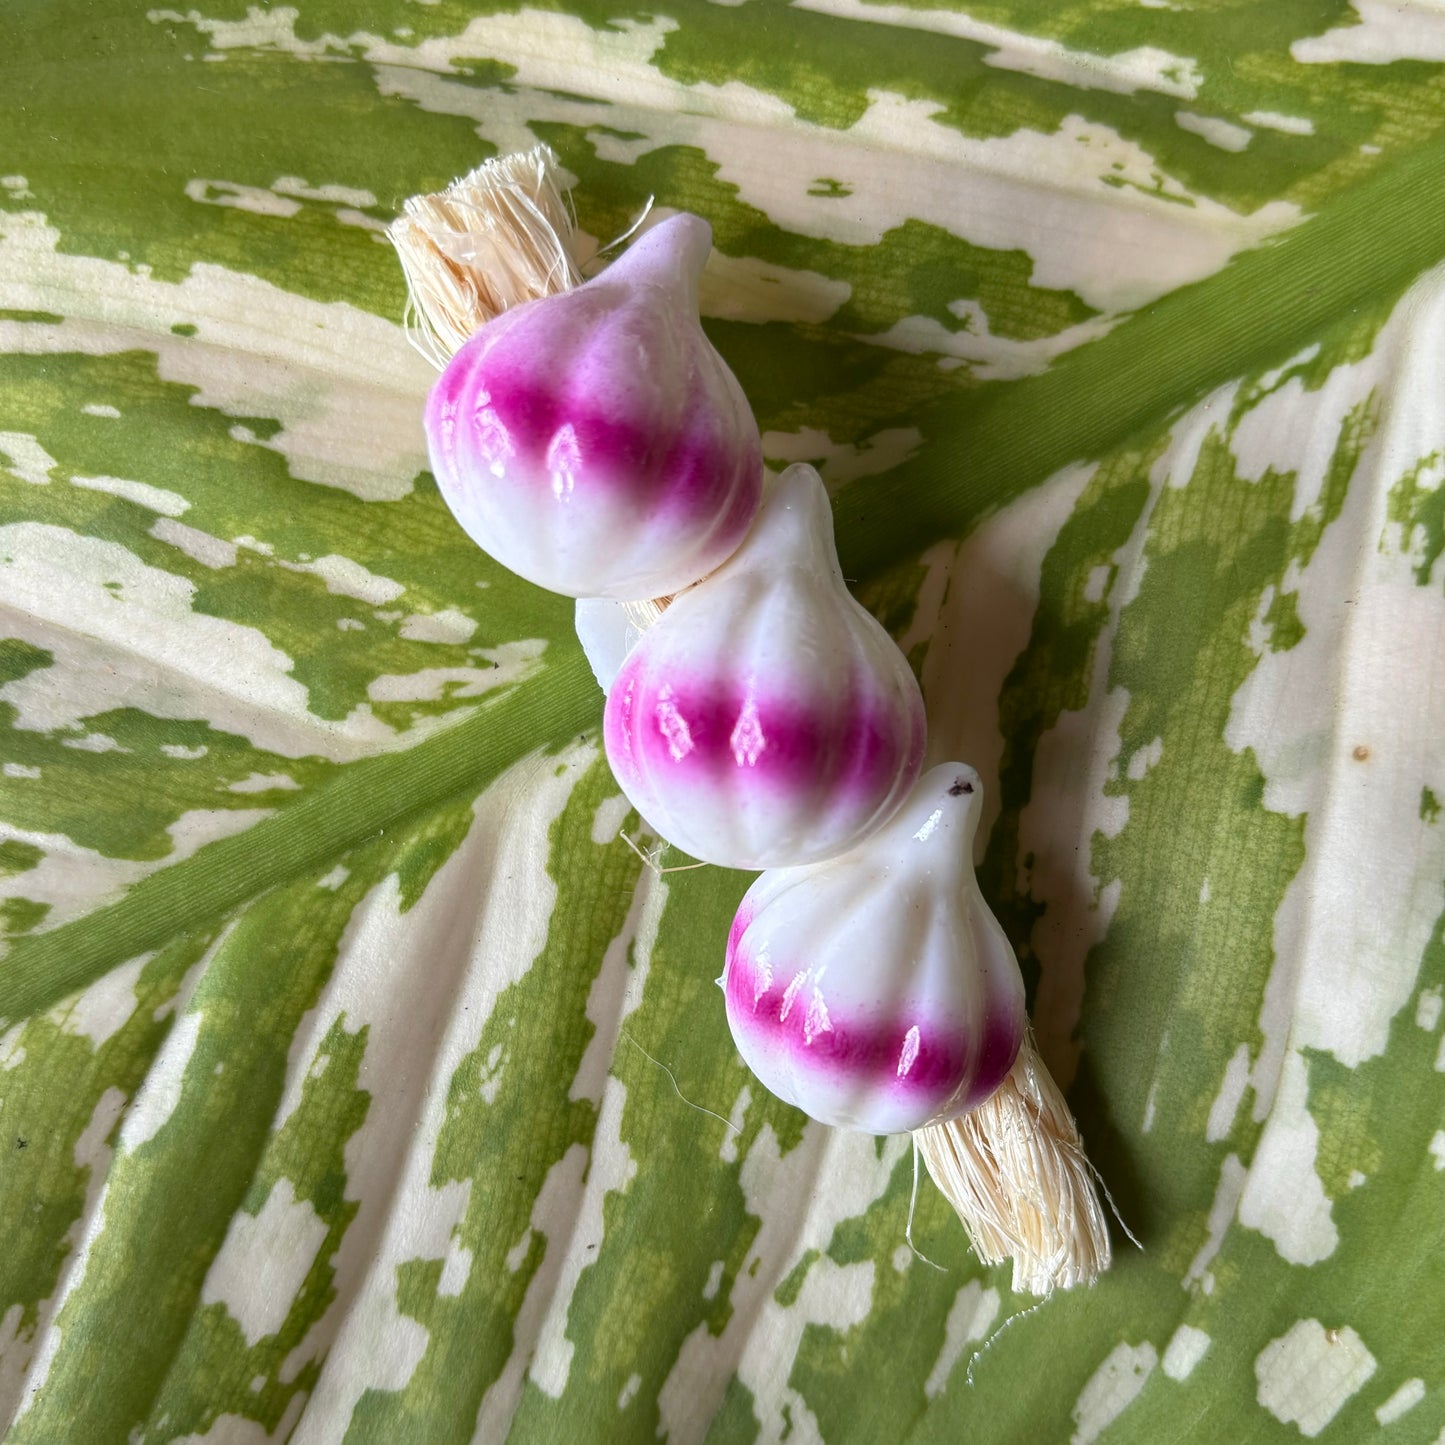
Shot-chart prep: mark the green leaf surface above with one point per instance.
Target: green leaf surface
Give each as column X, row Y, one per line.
column 358, row 1080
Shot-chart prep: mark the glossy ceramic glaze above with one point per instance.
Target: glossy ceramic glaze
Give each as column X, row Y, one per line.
column 767, row 720
column 877, row 991
column 607, row 634
column 594, row 442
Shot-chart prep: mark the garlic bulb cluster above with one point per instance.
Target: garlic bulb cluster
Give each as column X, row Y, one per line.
column 767, row 720
column 588, row 436
column 877, row 991
column 594, row 442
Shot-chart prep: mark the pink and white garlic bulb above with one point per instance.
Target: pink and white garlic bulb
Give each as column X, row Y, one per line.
column 594, row 442
column 877, row 991
column 767, row 719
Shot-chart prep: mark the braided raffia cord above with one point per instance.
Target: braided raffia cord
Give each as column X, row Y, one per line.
column 497, row 237
column 1015, row 1171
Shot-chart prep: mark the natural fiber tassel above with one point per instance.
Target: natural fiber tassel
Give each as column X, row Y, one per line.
column 493, row 239
column 1015, row 1170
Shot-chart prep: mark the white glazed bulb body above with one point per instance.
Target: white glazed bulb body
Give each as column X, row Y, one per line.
column 607, row 634
column 878, row 992
column 767, row 719
column 594, row 442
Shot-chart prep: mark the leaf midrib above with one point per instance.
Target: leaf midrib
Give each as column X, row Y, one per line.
column 987, row 447
column 1370, row 242
column 363, row 801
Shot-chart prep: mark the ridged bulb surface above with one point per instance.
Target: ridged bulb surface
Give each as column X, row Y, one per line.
column 594, row 442
column 767, row 720
column 878, row 992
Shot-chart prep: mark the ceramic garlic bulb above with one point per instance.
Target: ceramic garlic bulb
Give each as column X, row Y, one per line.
column 593, row 441
column 767, row 719
column 877, row 991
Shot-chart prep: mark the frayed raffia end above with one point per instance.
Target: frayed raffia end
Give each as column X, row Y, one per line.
column 646, row 613
column 1015, row 1171
column 497, row 237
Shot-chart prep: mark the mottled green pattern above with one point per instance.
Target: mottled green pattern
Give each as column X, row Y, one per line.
column 346, row 1048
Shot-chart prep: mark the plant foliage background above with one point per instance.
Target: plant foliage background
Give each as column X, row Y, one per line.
column 340, row 1030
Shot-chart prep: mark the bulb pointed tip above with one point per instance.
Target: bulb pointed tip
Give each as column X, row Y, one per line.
column 671, row 253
